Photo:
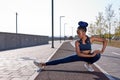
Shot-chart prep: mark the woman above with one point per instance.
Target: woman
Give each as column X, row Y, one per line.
column 83, row 50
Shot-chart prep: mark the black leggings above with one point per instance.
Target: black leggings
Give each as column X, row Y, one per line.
column 74, row 58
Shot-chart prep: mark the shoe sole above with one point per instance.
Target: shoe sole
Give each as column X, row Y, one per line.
column 40, row 68
column 87, row 68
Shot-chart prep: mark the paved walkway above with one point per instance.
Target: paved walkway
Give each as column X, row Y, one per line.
column 18, row 64
column 69, row 71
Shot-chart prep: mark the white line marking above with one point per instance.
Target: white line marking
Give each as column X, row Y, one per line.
column 103, row 71
column 115, row 53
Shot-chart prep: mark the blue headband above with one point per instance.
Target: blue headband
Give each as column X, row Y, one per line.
column 83, row 24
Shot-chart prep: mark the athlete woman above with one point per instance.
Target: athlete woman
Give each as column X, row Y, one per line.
column 83, row 50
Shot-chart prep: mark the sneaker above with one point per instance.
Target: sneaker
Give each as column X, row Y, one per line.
column 89, row 67
column 39, row 65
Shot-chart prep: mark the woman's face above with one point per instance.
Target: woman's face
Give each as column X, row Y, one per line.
column 80, row 33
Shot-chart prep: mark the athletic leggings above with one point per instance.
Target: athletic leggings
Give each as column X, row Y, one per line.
column 74, row 58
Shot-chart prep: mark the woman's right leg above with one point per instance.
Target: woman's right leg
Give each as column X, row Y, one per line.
column 67, row 59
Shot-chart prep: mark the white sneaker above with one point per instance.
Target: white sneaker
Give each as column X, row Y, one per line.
column 38, row 64
column 89, row 67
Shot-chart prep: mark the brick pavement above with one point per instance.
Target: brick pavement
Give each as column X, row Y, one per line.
column 69, row 71
column 16, row 69
column 17, row 64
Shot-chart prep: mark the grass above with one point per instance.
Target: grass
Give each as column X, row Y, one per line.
column 113, row 43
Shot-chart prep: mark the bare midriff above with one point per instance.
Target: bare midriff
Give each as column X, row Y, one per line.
column 86, row 52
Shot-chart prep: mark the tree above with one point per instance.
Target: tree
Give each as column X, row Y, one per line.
column 99, row 23
column 105, row 29
column 117, row 23
column 91, row 29
column 109, row 16
column 117, row 31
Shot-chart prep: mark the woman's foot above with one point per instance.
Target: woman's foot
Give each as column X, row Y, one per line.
column 39, row 65
column 89, row 67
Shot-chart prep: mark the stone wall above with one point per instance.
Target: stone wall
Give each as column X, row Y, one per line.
column 13, row 40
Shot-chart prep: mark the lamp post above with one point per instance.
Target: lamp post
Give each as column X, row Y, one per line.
column 119, row 22
column 64, row 30
column 52, row 24
column 72, row 31
column 16, row 22
column 60, row 27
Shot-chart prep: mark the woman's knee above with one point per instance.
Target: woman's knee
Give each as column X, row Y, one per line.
column 96, row 58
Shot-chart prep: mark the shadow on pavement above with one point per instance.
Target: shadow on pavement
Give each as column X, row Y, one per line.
column 27, row 58
column 98, row 74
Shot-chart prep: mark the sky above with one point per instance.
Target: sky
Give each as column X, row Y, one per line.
column 34, row 16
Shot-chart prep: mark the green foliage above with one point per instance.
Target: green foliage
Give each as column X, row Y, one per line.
column 102, row 25
column 117, row 31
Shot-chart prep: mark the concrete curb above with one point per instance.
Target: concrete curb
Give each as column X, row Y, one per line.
column 36, row 73
column 54, row 52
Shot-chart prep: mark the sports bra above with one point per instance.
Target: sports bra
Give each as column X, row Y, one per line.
column 86, row 46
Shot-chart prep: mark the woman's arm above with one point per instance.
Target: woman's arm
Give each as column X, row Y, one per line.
column 104, row 42
column 79, row 52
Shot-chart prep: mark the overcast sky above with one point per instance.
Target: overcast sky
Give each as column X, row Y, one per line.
column 34, row 16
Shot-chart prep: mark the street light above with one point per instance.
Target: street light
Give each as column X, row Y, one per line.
column 52, row 24
column 72, row 31
column 60, row 26
column 119, row 22
column 16, row 22
column 64, row 30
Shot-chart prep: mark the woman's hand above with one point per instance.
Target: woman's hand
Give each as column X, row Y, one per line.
column 96, row 52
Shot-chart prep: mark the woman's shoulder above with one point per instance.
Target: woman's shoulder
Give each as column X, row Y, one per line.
column 77, row 42
column 92, row 38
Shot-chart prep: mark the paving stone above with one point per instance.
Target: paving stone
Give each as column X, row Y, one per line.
column 5, row 78
column 20, row 78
